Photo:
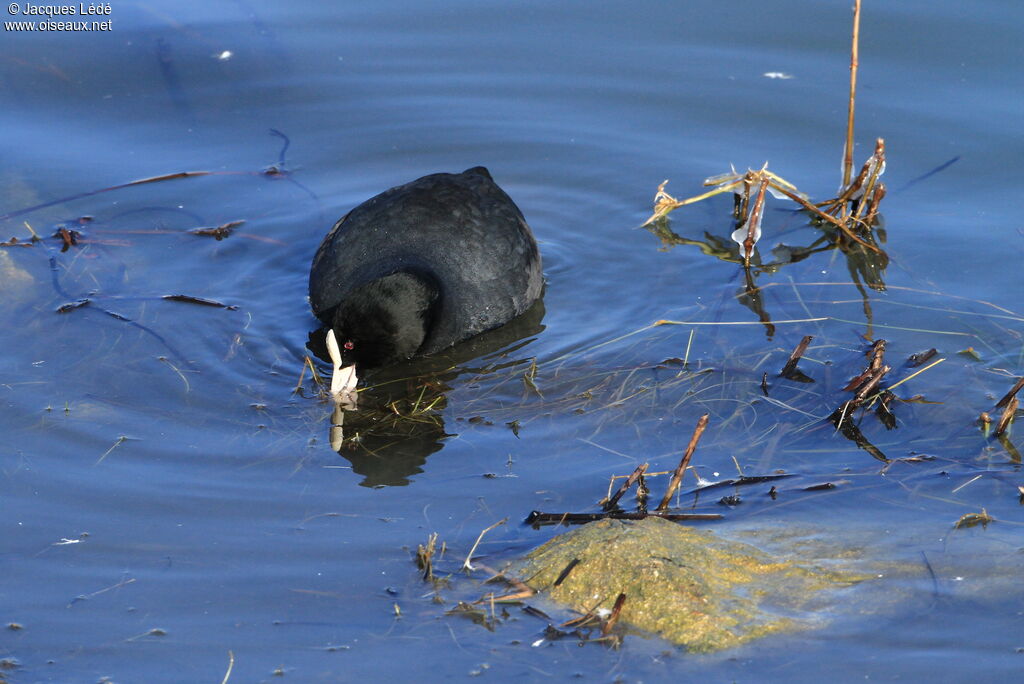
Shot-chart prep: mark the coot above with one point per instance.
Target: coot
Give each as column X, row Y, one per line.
column 422, row 266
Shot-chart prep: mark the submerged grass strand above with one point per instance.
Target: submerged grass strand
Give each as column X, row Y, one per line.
column 664, row 321
column 689, row 345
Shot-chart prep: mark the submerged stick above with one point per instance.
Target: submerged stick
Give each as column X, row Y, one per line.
column 677, row 476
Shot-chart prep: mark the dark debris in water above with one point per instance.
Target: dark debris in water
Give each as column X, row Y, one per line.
column 218, row 232
column 202, row 301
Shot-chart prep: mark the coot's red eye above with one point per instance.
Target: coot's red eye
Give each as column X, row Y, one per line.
column 349, row 346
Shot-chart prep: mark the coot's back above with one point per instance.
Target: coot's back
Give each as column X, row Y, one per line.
column 460, row 232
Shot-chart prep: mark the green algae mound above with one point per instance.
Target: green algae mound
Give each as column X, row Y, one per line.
column 689, row 586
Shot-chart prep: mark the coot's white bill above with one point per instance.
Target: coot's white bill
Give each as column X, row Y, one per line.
column 343, row 378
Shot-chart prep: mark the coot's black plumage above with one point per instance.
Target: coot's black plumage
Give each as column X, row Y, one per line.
column 424, row 265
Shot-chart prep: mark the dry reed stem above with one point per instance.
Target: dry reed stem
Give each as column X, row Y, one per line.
column 794, row 358
column 677, row 476
column 854, row 62
column 841, row 225
column 754, row 221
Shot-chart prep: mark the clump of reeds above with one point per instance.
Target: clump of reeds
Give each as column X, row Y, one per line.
column 853, row 211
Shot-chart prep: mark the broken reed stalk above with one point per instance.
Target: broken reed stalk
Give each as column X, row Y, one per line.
column 754, row 220
column 609, row 624
column 870, row 385
column 1011, row 394
column 863, row 385
column 634, row 476
column 825, row 216
column 677, row 476
column 1007, row 417
column 920, row 359
column 854, row 62
column 877, row 353
column 794, row 358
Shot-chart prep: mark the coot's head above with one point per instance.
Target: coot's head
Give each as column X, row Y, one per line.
column 386, row 320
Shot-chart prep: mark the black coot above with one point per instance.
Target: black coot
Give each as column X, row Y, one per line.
column 424, row 265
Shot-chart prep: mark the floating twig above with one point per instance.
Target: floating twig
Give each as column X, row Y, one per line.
column 218, row 232
column 538, row 519
column 922, row 357
column 191, row 299
column 71, row 306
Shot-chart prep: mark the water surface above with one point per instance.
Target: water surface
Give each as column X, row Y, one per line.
column 166, row 476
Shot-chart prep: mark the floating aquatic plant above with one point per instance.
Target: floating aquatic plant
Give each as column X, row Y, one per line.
column 853, row 210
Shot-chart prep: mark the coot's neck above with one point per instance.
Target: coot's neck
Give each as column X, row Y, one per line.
column 389, row 318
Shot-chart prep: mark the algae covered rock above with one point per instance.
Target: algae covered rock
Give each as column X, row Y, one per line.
column 689, row 586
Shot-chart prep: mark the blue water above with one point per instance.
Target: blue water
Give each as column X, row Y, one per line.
column 196, row 494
